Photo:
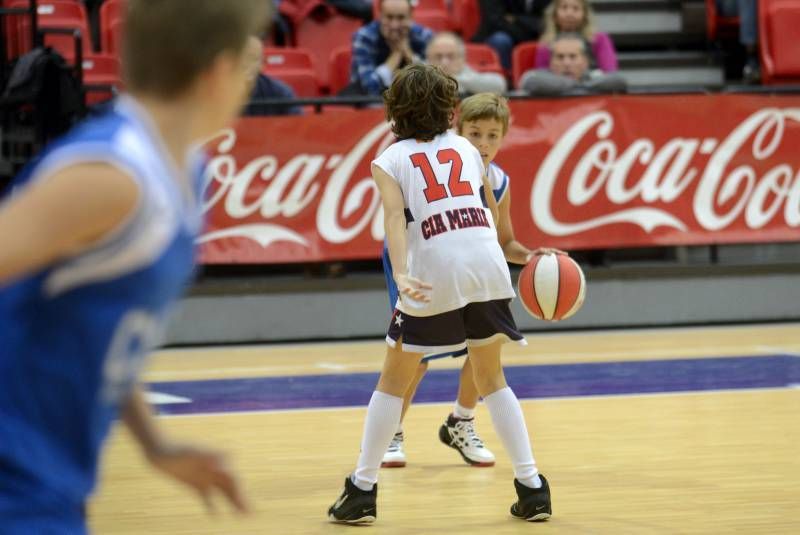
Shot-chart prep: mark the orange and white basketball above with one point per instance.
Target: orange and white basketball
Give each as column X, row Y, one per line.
column 551, row 287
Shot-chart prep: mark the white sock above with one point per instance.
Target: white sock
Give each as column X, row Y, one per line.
column 462, row 412
column 509, row 424
column 399, row 428
column 383, row 415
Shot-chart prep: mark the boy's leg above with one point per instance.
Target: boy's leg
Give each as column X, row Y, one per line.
column 458, row 431
column 357, row 503
column 395, row 456
column 509, row 423
column 383, row 413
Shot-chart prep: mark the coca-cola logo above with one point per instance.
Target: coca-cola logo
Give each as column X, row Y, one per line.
column 605, row 170
column 288, row 190
column 739, row 178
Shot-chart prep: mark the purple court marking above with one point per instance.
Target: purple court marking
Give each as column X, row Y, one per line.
column 529, row 382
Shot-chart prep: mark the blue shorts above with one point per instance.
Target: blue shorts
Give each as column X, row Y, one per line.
column 393, row 295
column 27, row 510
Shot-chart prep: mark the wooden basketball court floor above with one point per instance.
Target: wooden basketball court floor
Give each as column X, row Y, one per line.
column 691, row 430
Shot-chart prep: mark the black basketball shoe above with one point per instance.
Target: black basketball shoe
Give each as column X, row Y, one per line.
column 533, row 505
column 354, row 506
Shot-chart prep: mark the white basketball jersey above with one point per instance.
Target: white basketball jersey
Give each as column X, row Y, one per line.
column 451, row 236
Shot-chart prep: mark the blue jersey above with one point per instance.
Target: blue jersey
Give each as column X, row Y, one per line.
column 73, row 336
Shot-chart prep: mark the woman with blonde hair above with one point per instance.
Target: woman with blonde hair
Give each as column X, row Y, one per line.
column 576, row 16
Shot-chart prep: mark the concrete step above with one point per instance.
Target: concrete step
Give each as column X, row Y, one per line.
column 670, row 68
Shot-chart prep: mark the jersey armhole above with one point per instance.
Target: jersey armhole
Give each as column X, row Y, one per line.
column 97, row 156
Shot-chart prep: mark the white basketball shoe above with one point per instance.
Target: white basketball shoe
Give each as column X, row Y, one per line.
column 460, row 435
column 394, row 457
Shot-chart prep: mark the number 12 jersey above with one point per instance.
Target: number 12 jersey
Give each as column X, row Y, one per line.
column 451, row 236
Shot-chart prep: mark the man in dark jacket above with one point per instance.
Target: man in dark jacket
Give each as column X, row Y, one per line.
column 504, row 23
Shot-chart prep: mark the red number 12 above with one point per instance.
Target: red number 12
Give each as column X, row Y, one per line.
column 434, row 191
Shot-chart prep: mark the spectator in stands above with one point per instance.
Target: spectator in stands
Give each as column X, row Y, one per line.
column 504, row 23
column 446, row 50
column 747, row 11
column 569, row 71
column 385, row 46
column 265, row 87
column 576, row 16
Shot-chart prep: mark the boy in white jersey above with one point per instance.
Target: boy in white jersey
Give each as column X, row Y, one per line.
column 453, row 282
column 483, row 119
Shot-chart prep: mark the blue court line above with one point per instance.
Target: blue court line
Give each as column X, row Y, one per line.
column 529, row 382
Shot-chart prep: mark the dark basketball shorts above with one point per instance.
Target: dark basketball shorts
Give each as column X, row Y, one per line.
column 474, row 325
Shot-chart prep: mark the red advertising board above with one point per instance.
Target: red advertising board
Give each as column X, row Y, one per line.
column 590, row 172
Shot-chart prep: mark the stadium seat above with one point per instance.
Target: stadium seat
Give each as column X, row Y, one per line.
column 54, row 14
column 112, row 14
column 295, row 66
column 100, row 70
column 339, row 64
column 522, row 59
column 466, row 17
column 483, row 58
column 718, row 27
column 303, row 83
column 778, row 21
column 434, row 19
column 322, row 33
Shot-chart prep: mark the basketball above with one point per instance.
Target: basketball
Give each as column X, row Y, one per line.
column 551, row 287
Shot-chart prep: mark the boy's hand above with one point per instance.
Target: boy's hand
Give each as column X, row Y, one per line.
column 203, row 470
column 412, row 288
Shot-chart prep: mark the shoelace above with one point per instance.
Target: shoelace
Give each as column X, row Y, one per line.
column 397, row 443
column 468, row 428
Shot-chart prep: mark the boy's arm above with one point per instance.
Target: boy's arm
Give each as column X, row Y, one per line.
column 395, row 225
column 62, row 214
column 203, row 470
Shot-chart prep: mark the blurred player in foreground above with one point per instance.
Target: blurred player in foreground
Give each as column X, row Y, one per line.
column 97, row 244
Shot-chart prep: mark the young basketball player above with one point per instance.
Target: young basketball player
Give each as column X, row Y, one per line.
column 483, row 119
column 97, row 244
column 453, row 282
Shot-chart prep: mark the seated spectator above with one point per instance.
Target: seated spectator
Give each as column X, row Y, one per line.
column 265, row 87
column 504, row 23
column 446, row 50
column 576, row 16
column 569, row 71
column 747, row 11
column 385, row 46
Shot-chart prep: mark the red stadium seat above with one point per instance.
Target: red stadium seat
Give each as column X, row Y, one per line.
column 466, row 17
column 304, row 83
column 54, row 14
column 522, row 59
column 436, row 20
column 295, row 66
column 483, row 58
column 340, row 68
column 778, row 21
column 287, row 58
column 104, row 70
column 112, row 14
column 321, row 34
column 717, row 26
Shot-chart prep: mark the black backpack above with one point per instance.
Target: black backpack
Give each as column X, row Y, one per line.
column 43, row 92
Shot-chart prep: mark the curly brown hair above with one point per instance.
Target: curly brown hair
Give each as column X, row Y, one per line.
column 421, row 102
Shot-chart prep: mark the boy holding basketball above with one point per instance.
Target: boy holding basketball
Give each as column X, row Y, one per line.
column 453, row 282
column 484, row 120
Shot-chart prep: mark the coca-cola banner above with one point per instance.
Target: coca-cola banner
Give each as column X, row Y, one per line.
column 593, row 172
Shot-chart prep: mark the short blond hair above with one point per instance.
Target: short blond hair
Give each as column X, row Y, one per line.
column 484, row 106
